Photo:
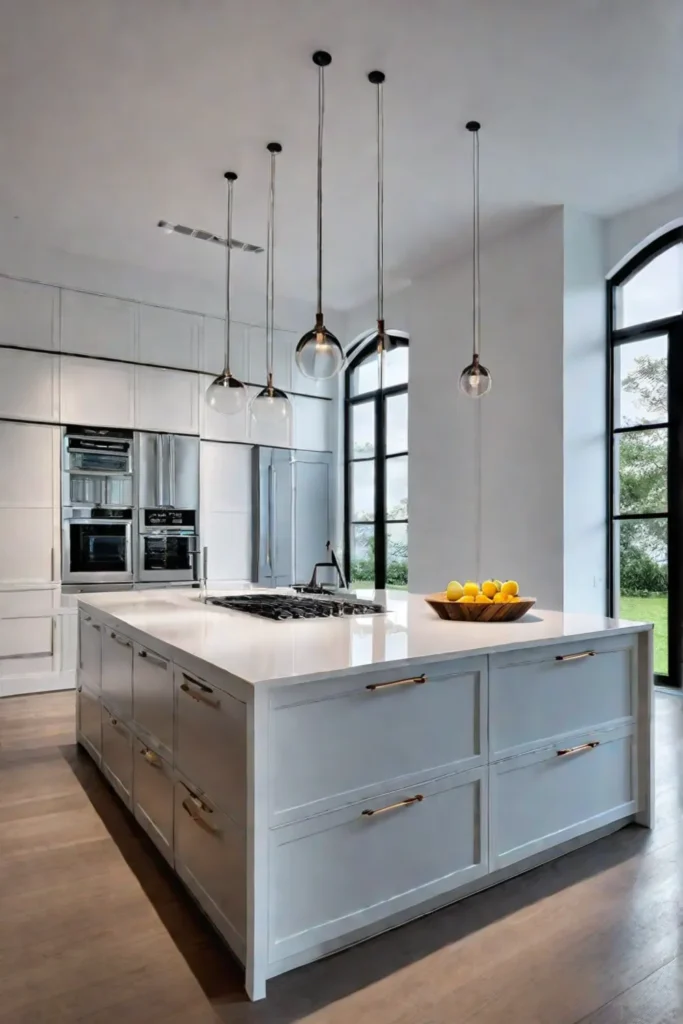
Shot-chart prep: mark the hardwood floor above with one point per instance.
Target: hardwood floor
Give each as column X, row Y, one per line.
column 94, row 927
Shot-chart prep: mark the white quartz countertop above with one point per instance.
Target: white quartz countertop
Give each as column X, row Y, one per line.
column 259, row 650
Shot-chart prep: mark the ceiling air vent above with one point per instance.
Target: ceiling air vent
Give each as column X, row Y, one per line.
column 207, row 236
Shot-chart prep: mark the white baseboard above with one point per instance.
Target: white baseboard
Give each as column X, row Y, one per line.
column 15, row 686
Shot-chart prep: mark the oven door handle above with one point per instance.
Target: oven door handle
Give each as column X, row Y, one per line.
column 171, row 470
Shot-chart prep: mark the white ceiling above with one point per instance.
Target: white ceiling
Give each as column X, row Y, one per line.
column 115, row 113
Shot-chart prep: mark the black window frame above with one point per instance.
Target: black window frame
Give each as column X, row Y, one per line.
column 379, row 397
column 672, row 327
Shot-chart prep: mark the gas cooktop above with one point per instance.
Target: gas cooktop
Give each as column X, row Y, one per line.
column 287, row 606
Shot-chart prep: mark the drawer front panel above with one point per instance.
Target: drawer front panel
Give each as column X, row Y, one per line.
column 541, row 800
column 344, row 870
column 331, row 750
column 153, row 797
column 14, row 603
column 560, row 691
column 117, row 673
column 210, row 854
column 89, row 720
column 20, row 638
column 117, row 755
column 153, row 698
column 211, row 743
column 90, row 652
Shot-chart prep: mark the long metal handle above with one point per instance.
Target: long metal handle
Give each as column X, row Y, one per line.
column 418, row 798
column 410, row 681
column 275, row 544
column 159, row 450
column 197, row 818
column 151, row 758
column 578, row 750
column 52, row 565
column 171, row 470
column 153, row 659
column 119, row 640
column 269, row 555
column 200, row 694
column 575, row 657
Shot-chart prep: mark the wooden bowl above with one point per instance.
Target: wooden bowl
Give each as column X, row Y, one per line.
column 470, row 612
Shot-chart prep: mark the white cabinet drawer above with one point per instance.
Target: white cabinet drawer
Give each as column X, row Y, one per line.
column 117, row 755
column 89, row 721
column 89, row 653
column 542, row 799
column 117, row 673
column 211, row 857
column 153, row 797
column 553, row 691
column 331, row 744
column 153, row 699
column 15, row 603
column 337, row 872
column 21, row 638
column 211, row 743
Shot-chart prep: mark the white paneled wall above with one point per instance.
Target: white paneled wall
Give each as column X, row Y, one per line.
column 29, row 314
column 225, row 500
column 97, row 326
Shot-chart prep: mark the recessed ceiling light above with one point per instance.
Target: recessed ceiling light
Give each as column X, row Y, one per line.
column 206, row 236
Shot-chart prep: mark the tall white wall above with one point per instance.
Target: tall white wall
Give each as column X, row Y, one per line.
column 626, row 232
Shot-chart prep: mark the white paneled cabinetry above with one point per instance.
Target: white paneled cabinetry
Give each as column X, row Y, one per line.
column 166, row 400
column 169, row 337
column 225, row 508
column 29, row 385
column 95, row 325
column 29, row 314
column 97, row 392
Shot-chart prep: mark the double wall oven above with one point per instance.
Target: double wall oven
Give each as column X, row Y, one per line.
column 130, row 508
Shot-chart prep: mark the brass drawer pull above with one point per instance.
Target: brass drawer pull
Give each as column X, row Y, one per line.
column 578, row 750
column 411, row 681
column 153, row 659
column 575, row 657
column 197, row 818
column 199, row 694
column 151, row 758
column 418, row 798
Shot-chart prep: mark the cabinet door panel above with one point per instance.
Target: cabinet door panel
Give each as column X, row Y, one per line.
column 166, row 400
column 213, row 350
column 29, row 457
column 117, row 755
column 89, row 721
column 225, row 477
column 312, row 424
column 28, row 314
column 117, row 673
column 169, row 337
column 153, row 698
column 89, row 653
column 28, row 385
column 24, row 637
column 96, row 392
column 153, row 797
column 27, row 545
column 95, row 325
column 214, row 426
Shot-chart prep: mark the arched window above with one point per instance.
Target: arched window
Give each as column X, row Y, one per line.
column 645, row 555
column 376, row 457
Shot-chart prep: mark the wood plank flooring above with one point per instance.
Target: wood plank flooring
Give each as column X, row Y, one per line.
column 95, row 928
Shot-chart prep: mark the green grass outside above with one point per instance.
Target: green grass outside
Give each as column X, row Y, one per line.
column 651, row 609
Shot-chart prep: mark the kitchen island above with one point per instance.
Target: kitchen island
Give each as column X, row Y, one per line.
column 317, row 781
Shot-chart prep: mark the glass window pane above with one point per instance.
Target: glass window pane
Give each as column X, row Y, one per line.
column 654, row 291
column 366, row 376
column 640, row 379
column 397, row 554
column 362, row 555
column 363, row 491
column 396, row 366
column 362, row 430
column 397, row 423
column 397, row 487
column 641, row 458
column 642, row 566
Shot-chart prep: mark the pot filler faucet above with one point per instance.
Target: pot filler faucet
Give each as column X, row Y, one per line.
column 334, row 564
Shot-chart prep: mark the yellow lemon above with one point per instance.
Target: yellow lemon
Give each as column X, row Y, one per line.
column 489, row 588
column 471, row 589
column 467, row 599
column 511, row 588
column 482, row 599
column 454, row 591
column 498, row 585
column 500, row 598
column 515, row 599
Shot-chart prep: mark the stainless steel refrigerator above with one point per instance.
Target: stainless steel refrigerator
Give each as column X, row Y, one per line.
column 291, row 515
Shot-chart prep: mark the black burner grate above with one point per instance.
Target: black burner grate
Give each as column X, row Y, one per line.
column 285, row 606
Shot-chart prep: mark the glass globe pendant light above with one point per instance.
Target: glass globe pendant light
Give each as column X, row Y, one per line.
column 475, row 379
column 271, row 409
column 226, row 394
column 377, row 78
column 318, row 353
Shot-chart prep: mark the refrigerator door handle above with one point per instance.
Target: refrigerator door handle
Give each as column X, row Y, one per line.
column 272, row 509
column 171, row 471
column 159, row 460
column 269, row 555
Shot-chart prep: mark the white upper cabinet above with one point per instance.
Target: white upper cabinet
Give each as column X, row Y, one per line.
column 166, row 400
column 28, row 314
column 283, row 355
column 29, row 385
column 168, row 337
column 225, row 475
column 214, row 426
column 29, row 457
column 312, row 423
column 256, row 346
column 213, row 348
column 95, row 325
column 97, row 392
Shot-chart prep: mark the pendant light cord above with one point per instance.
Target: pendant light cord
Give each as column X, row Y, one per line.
column 321, row 123
column 476, row 257
column 270, row 272
column 380, row 202
column 228, row 267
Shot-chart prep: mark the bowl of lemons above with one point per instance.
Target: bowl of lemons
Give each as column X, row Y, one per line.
column 493, row 601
